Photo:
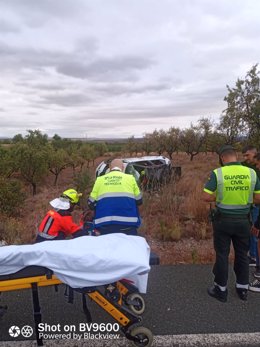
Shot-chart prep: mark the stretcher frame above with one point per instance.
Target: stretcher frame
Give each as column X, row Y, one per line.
column 122, row 314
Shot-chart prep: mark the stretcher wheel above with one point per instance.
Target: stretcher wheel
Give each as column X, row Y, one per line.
column 136, row 303
column 143, row 335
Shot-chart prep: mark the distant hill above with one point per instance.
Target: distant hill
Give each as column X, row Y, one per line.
column 88, row 139
column 107, row 140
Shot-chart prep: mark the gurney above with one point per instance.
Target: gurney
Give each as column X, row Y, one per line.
column 92, row 266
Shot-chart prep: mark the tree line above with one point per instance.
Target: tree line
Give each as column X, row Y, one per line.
column 31, row 158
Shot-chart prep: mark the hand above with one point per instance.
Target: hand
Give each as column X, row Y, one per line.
column 88, row 215
column 255, row 231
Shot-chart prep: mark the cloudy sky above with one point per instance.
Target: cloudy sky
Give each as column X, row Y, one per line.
column 117, row 68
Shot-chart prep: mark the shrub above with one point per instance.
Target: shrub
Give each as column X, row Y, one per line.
column 12, row 231
column 83, row 184
column 11, row 196
column 194, row 256
column 170, row 232
column 193, row 205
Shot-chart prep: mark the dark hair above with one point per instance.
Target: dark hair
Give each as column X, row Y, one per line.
column 225, row 148
column 249, row 148
column 229, row 152
column 226, row 151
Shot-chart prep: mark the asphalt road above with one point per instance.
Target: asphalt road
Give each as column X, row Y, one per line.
column 177, row 305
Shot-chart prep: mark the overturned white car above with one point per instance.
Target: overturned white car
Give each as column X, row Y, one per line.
column 149, row 171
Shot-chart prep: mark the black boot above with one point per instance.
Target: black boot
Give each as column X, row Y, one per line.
column 217, row 293
column 242, row 293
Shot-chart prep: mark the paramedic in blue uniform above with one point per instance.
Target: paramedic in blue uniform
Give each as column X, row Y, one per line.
column 233, row 187
column 115, row 198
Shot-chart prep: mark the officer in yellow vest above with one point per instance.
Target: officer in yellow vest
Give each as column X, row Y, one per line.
column 233, row 187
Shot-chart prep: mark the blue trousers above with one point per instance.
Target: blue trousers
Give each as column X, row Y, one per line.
column 253, row 252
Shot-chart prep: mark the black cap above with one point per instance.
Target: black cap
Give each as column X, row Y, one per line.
column 225, row 148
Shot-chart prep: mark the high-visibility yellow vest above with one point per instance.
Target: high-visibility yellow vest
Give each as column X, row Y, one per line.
column 116, row 195
column 235, row 187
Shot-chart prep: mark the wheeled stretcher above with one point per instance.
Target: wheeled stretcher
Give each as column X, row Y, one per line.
column 124, row 309
column 119, row 298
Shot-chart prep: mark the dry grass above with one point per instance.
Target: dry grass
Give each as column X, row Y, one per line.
column 176, row 211
column 13, row 231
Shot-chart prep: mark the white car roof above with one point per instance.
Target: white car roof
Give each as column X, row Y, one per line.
column 148, row 157
column 103, row 167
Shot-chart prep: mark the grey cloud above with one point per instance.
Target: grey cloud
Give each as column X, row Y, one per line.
column 40, row 105
column 203, row 95
column 37, row 13
column 6, row 50
column 117, row 89
column 26, row 57
column 32, row 113
column 97, row 92
column 111, row 68
column 112, row 128
column 143, row 116
column 15, row 122
column 42, row 86
column 39, row 58
column 118, row 66
column 7, row 27
column 186, row 104
column 67, row 100
column 86, row 44
column 239, row 54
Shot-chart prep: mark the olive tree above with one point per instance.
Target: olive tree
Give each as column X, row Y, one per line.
column 172, row 141
column 30, row 157
column 192, row 140
column 242, row 115
column 32, row 163
column 58, row 160
column 88, row 153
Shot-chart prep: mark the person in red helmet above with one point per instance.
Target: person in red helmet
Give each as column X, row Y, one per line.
column 58, row 222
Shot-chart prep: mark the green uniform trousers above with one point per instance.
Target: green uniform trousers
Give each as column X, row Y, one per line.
column 237, row 231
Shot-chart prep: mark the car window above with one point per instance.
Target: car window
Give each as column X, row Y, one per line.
column 157, row 162
column 131, row 170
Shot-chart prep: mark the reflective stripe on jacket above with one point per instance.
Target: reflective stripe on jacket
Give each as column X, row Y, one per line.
column 235, row 187
column 56, row 222
column 116, row 196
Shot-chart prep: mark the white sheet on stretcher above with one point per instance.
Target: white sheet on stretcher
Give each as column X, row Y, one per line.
column 85, row 261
